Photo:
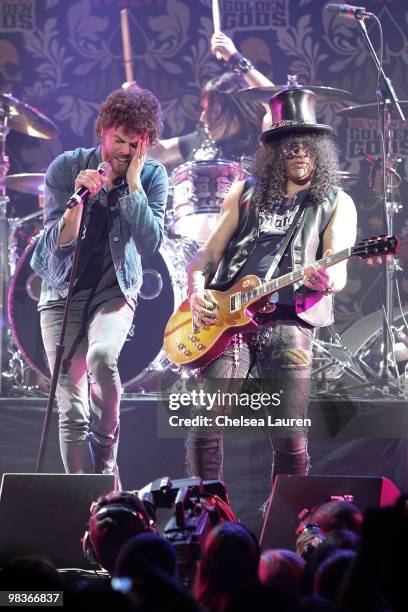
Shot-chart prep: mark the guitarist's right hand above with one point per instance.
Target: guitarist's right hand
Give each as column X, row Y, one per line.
column 203, row 308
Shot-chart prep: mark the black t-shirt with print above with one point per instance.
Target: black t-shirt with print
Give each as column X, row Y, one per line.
column 273, row 225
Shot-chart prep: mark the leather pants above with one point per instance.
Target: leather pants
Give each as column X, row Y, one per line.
column 280, row 355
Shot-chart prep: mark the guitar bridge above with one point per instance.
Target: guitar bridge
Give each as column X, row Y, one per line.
column 235, row 302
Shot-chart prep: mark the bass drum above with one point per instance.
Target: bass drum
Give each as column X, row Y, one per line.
column 142, row 364
column 198, row 189
column 364, row 339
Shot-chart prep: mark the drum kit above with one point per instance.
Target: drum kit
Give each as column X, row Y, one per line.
column 24, row 363
column 18, row 116
column 197, row 189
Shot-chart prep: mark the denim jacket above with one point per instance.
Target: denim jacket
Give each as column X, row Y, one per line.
column 136, row 224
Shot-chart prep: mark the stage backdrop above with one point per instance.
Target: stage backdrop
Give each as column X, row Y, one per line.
column 65, row 57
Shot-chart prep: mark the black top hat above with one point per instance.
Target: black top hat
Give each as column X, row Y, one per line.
column 293, row 110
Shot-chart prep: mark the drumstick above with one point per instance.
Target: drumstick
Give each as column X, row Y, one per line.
column 216, row 22
column 127, row 47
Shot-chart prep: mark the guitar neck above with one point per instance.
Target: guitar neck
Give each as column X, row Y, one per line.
column 292, row 277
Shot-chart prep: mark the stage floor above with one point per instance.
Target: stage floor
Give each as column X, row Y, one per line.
column 143, row 456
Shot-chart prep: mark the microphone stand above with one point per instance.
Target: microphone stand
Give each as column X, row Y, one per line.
column 388, row 101
column 60, row 345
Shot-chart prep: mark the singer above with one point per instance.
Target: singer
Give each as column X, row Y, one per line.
column 124, row 213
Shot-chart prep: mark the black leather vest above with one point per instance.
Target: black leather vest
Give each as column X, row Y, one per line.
column 306, row 246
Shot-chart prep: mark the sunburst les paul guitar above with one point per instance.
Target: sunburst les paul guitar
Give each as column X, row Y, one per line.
column 187, row 345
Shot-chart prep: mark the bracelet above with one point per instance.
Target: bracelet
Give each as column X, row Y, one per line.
column 191, row 289
column 330, row 290
column 240, row 64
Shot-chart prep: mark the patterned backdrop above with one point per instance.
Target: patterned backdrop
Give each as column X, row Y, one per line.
column 64, row 57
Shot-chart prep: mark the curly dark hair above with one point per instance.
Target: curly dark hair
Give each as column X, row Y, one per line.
column 135, row 111
column 269, row 168
column 231, row 109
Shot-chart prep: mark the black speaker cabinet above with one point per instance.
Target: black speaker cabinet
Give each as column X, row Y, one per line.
column 292, row 494
column 46, row 514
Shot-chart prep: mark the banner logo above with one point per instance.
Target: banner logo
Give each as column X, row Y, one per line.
column 254, row 14
column 17, row 15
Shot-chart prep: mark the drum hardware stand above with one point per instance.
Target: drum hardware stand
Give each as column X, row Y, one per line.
column 329, row 360
column 387, row 100
column 60, row 344
column 16, row 373
column 4, row 237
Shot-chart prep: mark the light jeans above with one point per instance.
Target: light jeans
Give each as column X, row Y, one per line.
column 89, row 388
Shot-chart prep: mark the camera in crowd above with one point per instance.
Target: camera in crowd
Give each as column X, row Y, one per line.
column 188, row 508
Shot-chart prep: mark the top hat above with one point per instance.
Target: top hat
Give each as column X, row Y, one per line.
column 294, row 110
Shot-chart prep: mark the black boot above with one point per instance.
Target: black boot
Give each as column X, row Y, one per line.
column 77, row 457
column 104, row 456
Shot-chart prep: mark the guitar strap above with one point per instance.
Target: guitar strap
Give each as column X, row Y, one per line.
column 297, row 220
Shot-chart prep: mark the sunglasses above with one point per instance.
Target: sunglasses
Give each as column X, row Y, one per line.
column 293, row 149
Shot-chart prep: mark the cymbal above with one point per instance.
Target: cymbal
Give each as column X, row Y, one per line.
column 265, row 93
column 26, row 119
column 367, row 111
column 344, row 175
column 26, row 183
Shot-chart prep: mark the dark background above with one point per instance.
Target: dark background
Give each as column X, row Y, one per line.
column 66, row 57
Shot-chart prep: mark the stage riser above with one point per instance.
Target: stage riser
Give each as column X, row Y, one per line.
column 247, row 463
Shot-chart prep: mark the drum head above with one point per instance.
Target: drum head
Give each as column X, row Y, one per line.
column 198, row 190
column 365, row 341
column 24, row 319
column 141, row 363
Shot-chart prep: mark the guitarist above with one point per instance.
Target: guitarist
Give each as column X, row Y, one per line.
column 293, row 197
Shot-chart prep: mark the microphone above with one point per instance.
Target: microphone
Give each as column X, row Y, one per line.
column 79, row 196
column 349, row 11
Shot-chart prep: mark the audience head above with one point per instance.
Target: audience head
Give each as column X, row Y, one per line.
column 115, row 518
column 230, row 558
column 147, row 569
column 30, row 574
column 152, row 549
column 281, row 569
column 332, row 516
column 377, row 579
column 261, row 598
column 97, row 595
column 335, row 541
column 337, row 514
column 332, row 573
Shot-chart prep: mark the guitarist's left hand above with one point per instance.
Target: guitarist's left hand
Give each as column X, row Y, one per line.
column 318, row 280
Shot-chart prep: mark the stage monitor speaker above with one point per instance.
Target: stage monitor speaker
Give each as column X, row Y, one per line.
column 46, row 514
column 293, row 494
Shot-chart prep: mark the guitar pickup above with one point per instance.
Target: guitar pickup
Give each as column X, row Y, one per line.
column 235, row 302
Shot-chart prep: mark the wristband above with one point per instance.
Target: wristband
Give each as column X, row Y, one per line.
column 191, row 289
column 240, row 64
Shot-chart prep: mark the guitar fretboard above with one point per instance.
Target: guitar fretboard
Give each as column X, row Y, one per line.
column 292, row 277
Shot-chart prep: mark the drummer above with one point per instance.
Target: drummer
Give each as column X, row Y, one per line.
column 220, row 133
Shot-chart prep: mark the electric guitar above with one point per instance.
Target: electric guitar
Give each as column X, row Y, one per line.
column 187, row 345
